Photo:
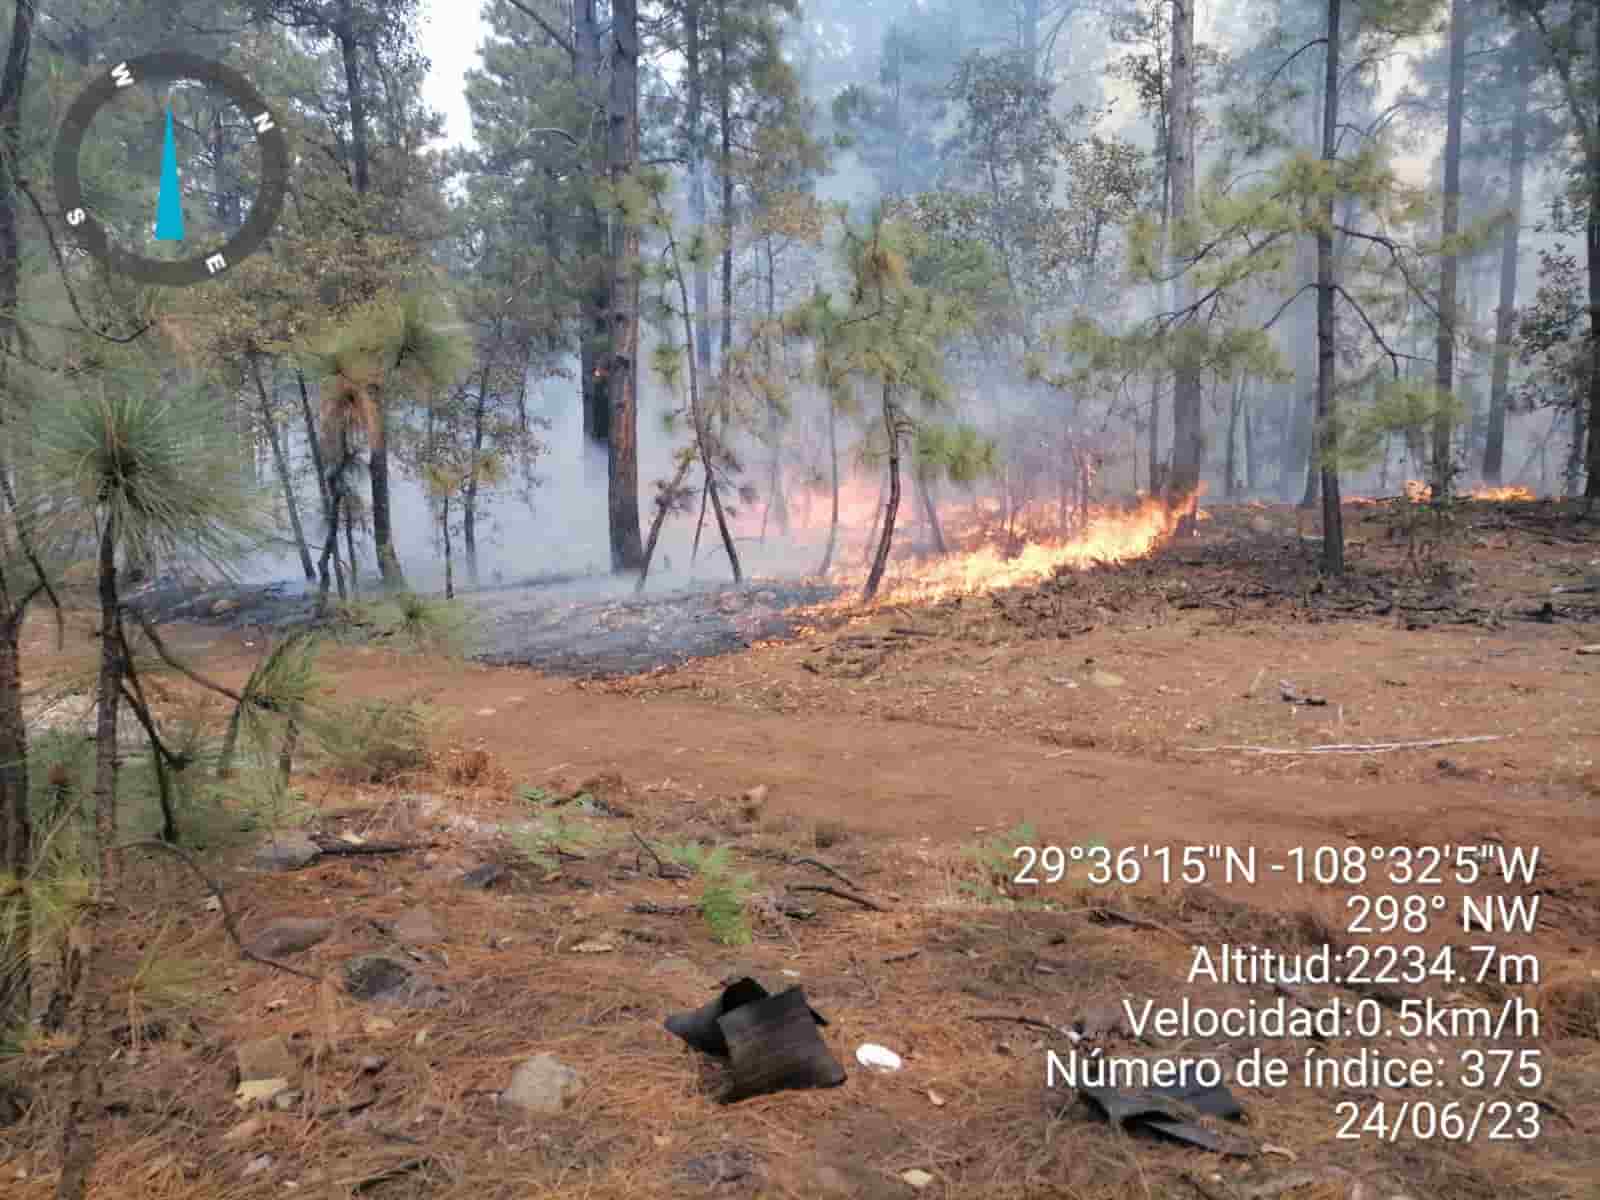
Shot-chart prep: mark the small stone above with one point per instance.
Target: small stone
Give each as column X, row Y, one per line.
column 416, row 927
column 593, row 947
column 372, row 975
column 284, row 1101
column 258, row 1091
column 935, row 1099
column 245, row 1130
column 486, row 712
column 258, row 1164
column 543, row 1086
column 1105, row 679
column 289, row 935
column 371, row 1064
column 483, row 877
column 287, row 852
column 266, row 1058
column 376, row 1025
column 917, row 1179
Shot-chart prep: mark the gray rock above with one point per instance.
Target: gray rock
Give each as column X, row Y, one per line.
column 284, row 1101
column 543, row 1086
column 389, row 981
column 287, row 852
column 266, row 1058
column 289, row 935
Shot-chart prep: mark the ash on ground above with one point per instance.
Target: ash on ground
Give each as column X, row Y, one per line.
column 555, row 624
column 641, row 633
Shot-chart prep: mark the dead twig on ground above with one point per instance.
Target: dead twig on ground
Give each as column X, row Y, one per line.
column 340, row 846
column 1351, row 747
column 1125, row 918
column 825, row 890
column 827, row 870
column 906, row 956
column 664, row 870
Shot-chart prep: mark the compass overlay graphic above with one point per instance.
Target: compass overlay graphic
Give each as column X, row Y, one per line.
column 219, row 91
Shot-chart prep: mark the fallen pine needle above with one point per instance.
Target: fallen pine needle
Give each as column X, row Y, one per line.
column 1351, row 747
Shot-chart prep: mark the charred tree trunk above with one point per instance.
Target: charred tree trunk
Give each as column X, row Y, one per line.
column 880, row 560
column 1231, row 467
column 109, row 700
column 1505, row 317
column 595, row 296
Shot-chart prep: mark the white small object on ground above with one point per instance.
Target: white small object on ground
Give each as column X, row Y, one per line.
column 881, row 1058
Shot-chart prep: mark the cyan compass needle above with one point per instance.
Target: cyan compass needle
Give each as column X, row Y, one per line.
column 169, row 206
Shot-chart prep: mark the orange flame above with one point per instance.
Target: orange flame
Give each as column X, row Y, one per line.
column 1504, row 494
column 1108, row 536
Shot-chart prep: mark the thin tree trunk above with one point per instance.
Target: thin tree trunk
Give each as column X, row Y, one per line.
column 12, row 82
column 1573, row 473
column 449, row 558
column 382, row 533
column 469, row 503
column 1188, row 436
column 1443, row 471
column 725, row 116
column 694, row 137
column 1251, row 466
column 931, row 511
column 16, row 828
column 700, row 523
column 833, row 466
column 1232, row 459
column 315, row 443
column 281, row 465
column 880, row 560
column 109, row 697
column 1327, row 431
column 660, row 518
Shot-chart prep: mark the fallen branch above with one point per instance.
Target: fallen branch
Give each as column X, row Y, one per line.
column 329, row 845
column 826, row 870
column 228, row 922
column 664, row 870
column 825, row 890
column 906, row 956
column 650, row 908
column 1351, row 747
column 368, row 1182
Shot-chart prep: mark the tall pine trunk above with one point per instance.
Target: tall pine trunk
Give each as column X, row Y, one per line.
column 1443, row 468
column 1505, row 316
column 1188, row 436
column 595, row 294
column 1327, row 402
column 622, row 364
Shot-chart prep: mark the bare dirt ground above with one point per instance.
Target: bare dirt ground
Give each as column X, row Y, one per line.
column 1106, row 707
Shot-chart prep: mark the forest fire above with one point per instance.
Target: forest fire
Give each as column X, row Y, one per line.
column 1102, row 535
